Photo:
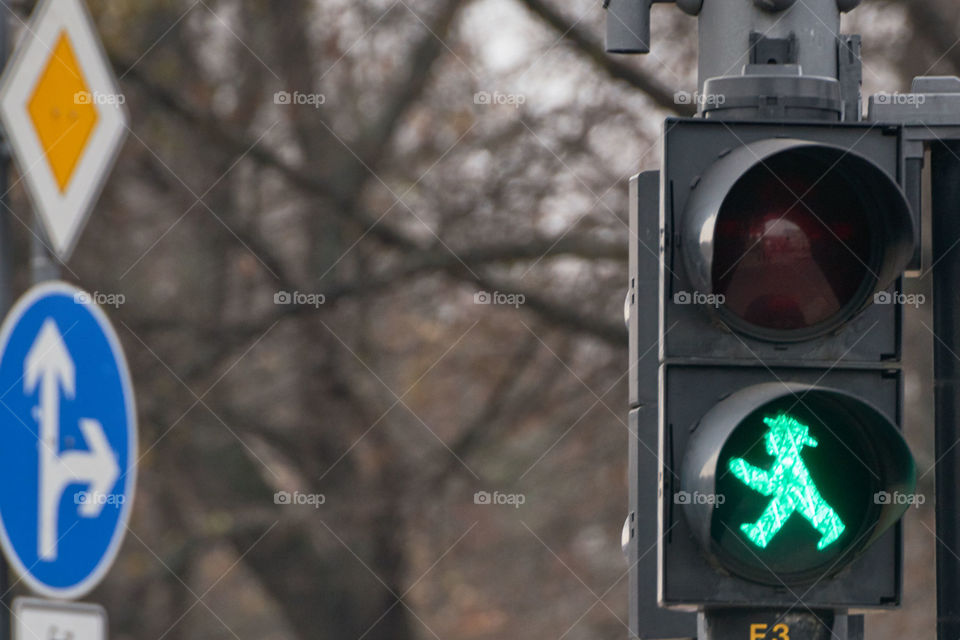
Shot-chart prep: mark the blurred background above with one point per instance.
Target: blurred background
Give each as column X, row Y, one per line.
column 373, row 255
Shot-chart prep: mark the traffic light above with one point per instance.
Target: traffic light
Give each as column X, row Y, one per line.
column 794, row 478
column 782, row 470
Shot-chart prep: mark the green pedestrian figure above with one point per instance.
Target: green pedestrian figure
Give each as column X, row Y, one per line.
column 789, row 483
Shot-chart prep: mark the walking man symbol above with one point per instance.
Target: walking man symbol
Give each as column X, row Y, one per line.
column 789, row 483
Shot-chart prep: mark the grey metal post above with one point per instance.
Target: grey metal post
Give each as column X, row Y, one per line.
column 725, row 29
column 6, row 263
column 6, row 300
column 43, row 266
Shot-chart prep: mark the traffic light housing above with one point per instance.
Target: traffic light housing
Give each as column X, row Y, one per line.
column 781, row 466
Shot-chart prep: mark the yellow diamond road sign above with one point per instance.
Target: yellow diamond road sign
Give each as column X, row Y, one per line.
column 63, row 128
column 63, row 115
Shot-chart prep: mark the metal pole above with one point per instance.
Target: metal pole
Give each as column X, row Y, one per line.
column 42, row 265
column 945, row 205
column 6, row 262
column 725, row 28
column 6, row 300
column 42, row 268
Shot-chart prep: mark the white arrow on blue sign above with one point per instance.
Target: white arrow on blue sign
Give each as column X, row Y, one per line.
column 68, row 441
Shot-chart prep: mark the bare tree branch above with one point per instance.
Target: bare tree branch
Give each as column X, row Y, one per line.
column 617, row 69
column 424, row 54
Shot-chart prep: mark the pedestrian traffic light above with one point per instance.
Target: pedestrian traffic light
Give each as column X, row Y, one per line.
column 782, row 470
column 798, row 476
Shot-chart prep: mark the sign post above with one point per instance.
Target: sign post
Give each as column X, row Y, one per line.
column 6, row 280
column 70, row 441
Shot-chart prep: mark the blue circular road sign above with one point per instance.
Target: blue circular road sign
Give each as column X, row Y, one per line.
column 68, row 441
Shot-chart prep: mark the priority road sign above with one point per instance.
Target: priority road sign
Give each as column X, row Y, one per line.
column 63, row 116
column 68, row 428
column 36, row 619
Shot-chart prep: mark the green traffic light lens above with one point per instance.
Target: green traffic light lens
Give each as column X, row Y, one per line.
column 796, row 481
column 788, row 483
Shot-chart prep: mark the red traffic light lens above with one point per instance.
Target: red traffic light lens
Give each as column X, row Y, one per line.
column 792, row 238
column 792, row 247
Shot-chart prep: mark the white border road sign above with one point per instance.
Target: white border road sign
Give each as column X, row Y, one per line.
column 36, row 619
column 63, row 213
column 91, row 346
